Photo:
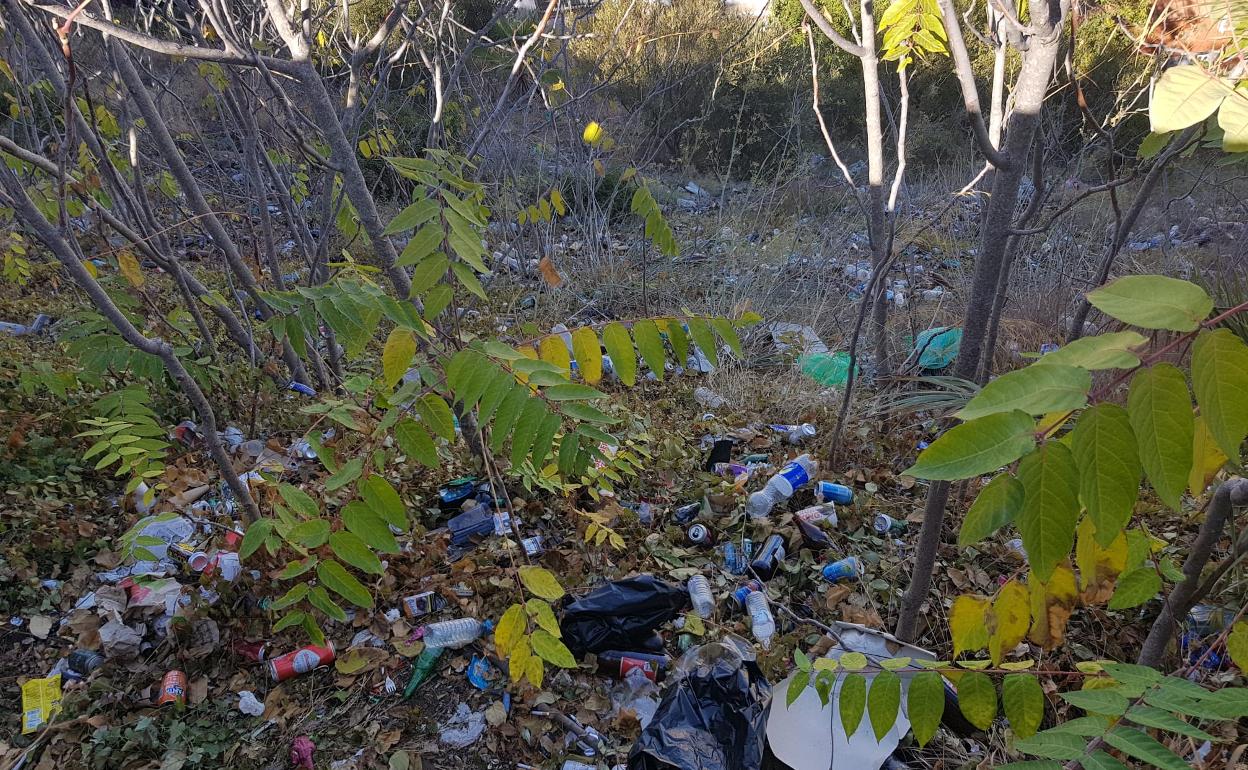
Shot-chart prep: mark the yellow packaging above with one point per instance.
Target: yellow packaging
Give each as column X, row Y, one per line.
column 41, row 699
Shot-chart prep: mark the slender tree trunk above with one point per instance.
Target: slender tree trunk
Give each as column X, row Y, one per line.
column 877, row 221
column 1231, row 493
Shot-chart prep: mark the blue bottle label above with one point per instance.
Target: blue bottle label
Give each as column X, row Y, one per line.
column 795, row 474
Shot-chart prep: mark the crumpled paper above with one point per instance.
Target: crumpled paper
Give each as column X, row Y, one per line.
column 120, row 641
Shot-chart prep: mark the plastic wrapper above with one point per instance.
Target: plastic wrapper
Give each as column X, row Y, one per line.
column 713, row 717
column 620, row 615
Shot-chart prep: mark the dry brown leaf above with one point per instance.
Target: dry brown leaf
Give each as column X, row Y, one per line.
column 864, row 616
column 198, row 690
column 550, row 273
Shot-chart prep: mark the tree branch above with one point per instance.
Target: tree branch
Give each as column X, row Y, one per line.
column 830, row 32
column 966, row 78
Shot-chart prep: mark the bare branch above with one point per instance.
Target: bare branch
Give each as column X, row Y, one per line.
column 830, row 32
column 966, row 78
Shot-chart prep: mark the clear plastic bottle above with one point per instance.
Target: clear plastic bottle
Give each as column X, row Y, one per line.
column 701, row 596
column 454, row 633
column 761, row 622
column 795, row 474
column 796, row 434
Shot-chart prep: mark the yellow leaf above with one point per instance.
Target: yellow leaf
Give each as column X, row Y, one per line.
column 130, row 269
column 1051, row 605
column 556, row 200
column 1098, row 567
column 968, row 623
column 1011, row 617
column 518, row 661
column 693, row 624
column 1049, row 423
column 1207, row 458
column 554, row 350
column 90, row 267
column 1237, row 645
column 541, row 582
column 592, row 134
column 535, row 670
column 853, row 661
column 510, row 629
column 628, row 174
column 528, row 352
column 588, row 354
column 544, row 616
column 396, row 356
column 1018, row 665
column 599, row 169
column 826, row 664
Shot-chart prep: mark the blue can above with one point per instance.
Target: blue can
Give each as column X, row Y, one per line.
column 734, row 562
column 848, row 568
column 739, row 595
column 299, row 387
column 840, row 494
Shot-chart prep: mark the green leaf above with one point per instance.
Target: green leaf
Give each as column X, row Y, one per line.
column 309, row 534
column 801, row 660
column 976, row 447
column 588, row 354
column 506, row 416
column 541, row 582
column 1237, row 645
column 379, row 495
column 1160, row 410
column 1220, row 380
column 572, row 392
column 620, row 347
column 883, row 701
column 416, row 443
column 796, row 685
column 1023, row 702
column 996, row 505
column 542, row 613
column 977, row 698
column 351, row 549
column 1050, row 509
column 300, row 501
column 925, row 704
column 364, row 522
column 499, row 386
column 650, row 344
column 1135, row 587
column 525, row 434
column 853, row 702
column 1150, row 716
column 290, row 598
column 257, row 531
column 348, row 473
column 336, row 578
column 1037, row 389
column 1184, row 96
column 468, row 279
column 1104, row 351
column 1153, row 144
column 1233, row 120
column 288, row 620
column 1153, row 302
column 1054, row 745
column 586, row 413
column 724, row 328
column 428, row 272
column 569, row 447
column 679, row 338
column 414, row 215
column 1135, row 743
column 545, row 437
column 319, row 599
column 700, row 331
column 397, row 355
column 437, row 415
column 1105, row 451
column 296, row 568
column 551, row 650
column 1099, row 701
column 1099, row 760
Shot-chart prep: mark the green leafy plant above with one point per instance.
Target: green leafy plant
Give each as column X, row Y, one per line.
column 128, row 436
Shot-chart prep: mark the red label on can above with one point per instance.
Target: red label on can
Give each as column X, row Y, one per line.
column 172, row 689
column 301, row 661
column 646, row 667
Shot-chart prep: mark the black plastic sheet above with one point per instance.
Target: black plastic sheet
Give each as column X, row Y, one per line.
column 621, row 615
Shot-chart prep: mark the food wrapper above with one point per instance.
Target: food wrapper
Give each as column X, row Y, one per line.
column 41, row 699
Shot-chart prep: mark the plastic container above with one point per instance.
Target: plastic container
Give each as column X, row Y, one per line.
column 848, row 568
column 453, row 634
column 741, row 594
column 762, row 624
column 827, row 492
column 795, row 434
column 701, row 596
column 779, row 487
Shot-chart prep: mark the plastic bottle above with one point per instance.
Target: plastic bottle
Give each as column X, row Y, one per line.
column 795, row 434
column 454, row 633
column 779, row 487
column 701, row 596
column 761, row 622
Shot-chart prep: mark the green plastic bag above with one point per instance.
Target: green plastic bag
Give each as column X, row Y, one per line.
column 938, row 346
column 828, row 369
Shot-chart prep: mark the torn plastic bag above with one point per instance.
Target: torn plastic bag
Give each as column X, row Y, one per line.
column 620, row 615
column 713, row 716
column 806, row 734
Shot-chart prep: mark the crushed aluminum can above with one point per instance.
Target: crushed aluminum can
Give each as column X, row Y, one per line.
column 533, row 546
column 422, row 604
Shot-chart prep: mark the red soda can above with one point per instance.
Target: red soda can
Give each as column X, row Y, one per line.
column 172, row 689
column 301, row 661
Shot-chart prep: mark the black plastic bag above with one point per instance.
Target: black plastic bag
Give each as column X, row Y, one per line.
column 715, row 718
column 620, row 615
